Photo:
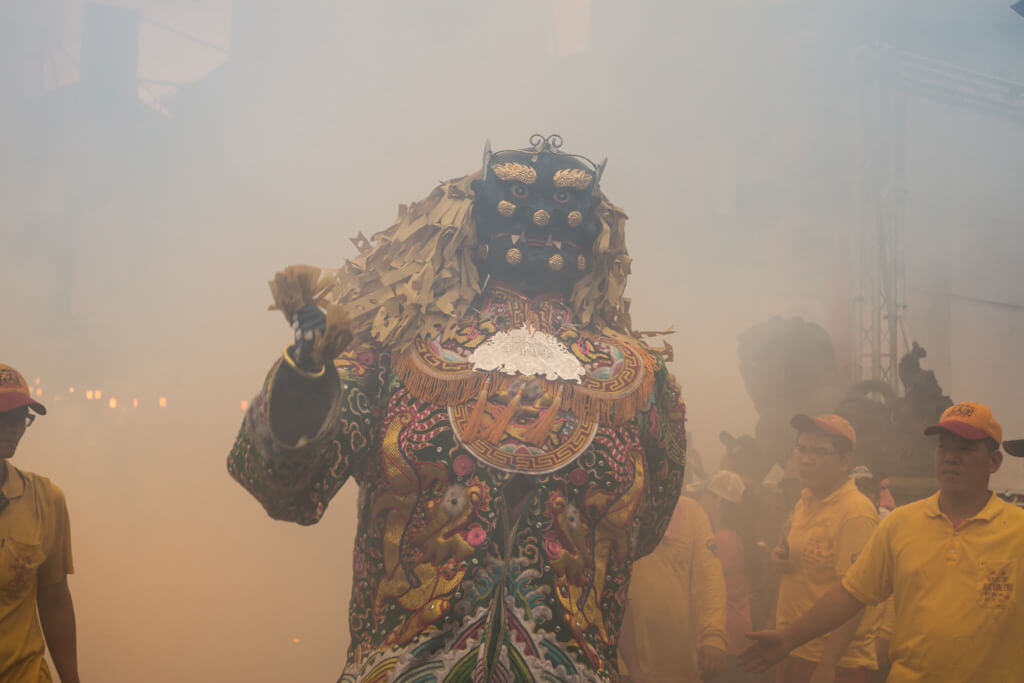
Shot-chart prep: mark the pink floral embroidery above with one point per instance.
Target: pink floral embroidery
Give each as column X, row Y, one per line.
column 476, row 535
column 578, row 476
column 463, row 465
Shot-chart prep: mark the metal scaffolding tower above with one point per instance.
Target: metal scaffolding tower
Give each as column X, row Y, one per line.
column 879, row 287
column 886, row 77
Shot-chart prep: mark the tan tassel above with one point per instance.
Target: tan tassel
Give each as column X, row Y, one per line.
column 497, row 430
column 473, row 426
column 298, row 286
column 538, row 434
column 293, row 288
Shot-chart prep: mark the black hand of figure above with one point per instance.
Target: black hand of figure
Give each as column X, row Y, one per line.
column 309, row 323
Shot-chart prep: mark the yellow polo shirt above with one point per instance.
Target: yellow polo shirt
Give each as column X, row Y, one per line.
column 35, row 547
column 825, row 538
column 888, row 620
column 958, row 615
column 676, row 601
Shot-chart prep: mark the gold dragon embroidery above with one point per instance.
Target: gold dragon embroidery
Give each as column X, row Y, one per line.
column 578, row 561
column 423, row 553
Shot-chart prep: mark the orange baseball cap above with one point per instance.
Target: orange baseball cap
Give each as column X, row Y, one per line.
column 972, row 421
column 14, row 392
column 833, row 425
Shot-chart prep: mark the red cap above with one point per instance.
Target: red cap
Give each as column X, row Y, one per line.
column 14, row 392
column 833, row 425
column 972, row 421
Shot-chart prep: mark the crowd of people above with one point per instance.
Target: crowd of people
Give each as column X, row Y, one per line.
column 855, row 590
column 841, row 587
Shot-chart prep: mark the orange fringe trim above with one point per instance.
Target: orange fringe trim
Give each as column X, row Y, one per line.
column 433, row 386
column 497, row 430
column 538, row 434
column 475, row 417
column 458, row 387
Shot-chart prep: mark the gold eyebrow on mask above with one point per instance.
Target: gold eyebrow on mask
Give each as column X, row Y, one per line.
column 515, row 171
column 573, row 177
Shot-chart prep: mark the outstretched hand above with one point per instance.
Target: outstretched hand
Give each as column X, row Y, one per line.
column 769, row 648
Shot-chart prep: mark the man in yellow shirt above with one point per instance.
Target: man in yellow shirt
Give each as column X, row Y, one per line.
column 674, row 626
column 951, row 563
column 35, row 555
column 832, row 521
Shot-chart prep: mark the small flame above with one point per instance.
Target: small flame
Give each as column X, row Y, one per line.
column 245, row 405
column 112, row 402
column 88, row 395
column 163, row 401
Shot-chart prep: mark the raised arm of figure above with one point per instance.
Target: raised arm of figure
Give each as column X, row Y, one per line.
column 308, row 425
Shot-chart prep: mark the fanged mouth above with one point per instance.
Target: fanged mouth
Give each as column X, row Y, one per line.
column 536, row 241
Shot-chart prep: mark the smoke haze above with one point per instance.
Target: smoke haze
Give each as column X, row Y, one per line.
column 160, row 163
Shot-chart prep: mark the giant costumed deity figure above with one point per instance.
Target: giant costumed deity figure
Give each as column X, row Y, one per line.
column 516, row 447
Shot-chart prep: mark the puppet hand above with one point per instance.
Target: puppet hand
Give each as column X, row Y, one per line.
column 310, row 322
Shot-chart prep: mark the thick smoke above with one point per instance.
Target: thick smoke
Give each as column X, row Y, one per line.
column 160, row 162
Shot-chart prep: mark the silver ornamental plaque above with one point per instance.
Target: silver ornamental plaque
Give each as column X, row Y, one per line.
column 527, row 352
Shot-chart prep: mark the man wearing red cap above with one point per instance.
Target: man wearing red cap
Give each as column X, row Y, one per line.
column 35, row 554
column 832, row 521
column 951, row 563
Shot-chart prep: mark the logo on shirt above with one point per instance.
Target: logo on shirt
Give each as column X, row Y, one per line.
column 712, row 547
column 17, row 571
column 998, row 585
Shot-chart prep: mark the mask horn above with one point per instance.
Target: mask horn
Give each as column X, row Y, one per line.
column 487, row 157
column 598, row 172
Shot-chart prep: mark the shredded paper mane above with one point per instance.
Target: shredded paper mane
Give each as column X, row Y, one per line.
column 419, row 276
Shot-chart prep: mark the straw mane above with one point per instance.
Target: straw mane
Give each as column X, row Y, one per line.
column 419, row 276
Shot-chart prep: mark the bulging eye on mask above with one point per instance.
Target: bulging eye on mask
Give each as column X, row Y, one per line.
column 534, row 213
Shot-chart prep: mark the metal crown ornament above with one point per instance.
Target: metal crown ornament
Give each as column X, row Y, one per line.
column 551, row 144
